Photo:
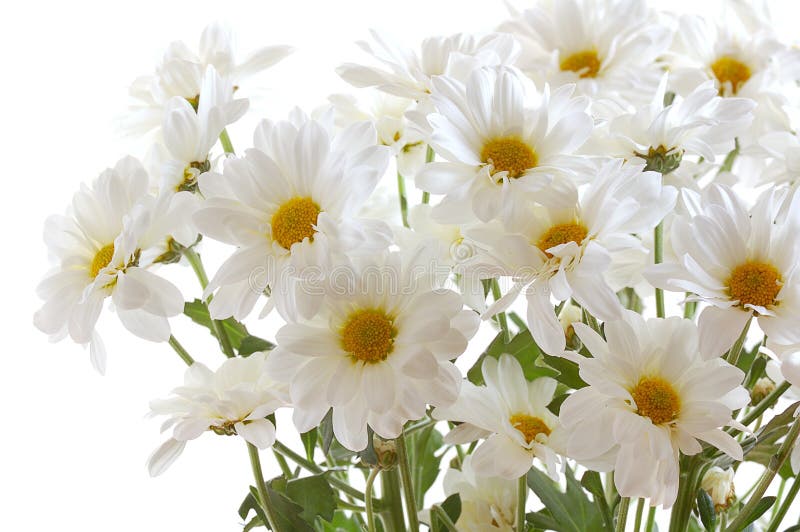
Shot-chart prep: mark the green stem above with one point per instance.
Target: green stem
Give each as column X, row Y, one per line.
column 442, row 516
column 401, row 191
column 219, row 330
column 775, row 463
column 651, row 519
column 622, row 514
column 314, row 468
column 689, row 308
column 733, row 355
column 679, row 517
column 430, row 155
column 368, row 499
column 393, row 501
column 766, row 402
column 522, row 495
column 182, row 352
column 287, row 471
column 502, row 320
column 255, row 463
column 781, row 487
column 784, row 508
column 225, row 140
column 637, row 522
column 408, row 486
column 658, row 244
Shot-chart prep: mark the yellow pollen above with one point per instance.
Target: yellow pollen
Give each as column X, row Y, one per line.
column 101, row 260
column 368, row 336
column 561, row 234
column 586, row 63
column 754, row 283
column 656, row 398
column 728, row 69
column 509, row 154
column 529, row 426
column 294, row 221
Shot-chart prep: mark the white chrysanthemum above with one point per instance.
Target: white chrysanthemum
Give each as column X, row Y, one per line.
column 181, row 73
column 571, row 253
column 289, row 205
column 378, row 352
column 407, row 74
column 488, row 504
column 98, row 246
column 501, row 141
column 233, row 400
column 609, row 48
column 783, row 149
column 652, row 393
column 701, row 124
column 511, row 413
column 744, row 264
column 740, row 62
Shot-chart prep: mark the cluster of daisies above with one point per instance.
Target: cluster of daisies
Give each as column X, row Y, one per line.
column 551, row 179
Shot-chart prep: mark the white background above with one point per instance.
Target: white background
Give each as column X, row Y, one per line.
column 74, row 444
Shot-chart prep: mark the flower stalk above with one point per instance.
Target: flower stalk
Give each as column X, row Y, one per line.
column 261, row 487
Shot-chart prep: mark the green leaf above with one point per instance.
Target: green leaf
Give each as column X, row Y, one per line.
column 452, row 507
column 706, row 508
column 309, row 443
column 197, row 311
column 522, row 347
column 763, row 505
column 341, row 523
column 253, row 344
column 326, row 431
column 568, row 373
column 591, row 481
column 570, row 511
column 314, row 495
column 421, row 446
column 288, row 514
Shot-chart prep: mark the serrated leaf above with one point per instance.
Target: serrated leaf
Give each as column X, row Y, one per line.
column 314, row 495
column 288, row 514
column 705, row 506
column 568, row 371
column 452, row 507
column 253, row 344
column 197, row 311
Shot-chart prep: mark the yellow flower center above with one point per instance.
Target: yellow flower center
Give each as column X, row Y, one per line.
column 101, row 260
column 656, row 398
column 294, row 221
column 509, row 154
column 754, row 283
column 529, row 426
column 368, row 336
column 561, row 234
column 586, row 63
column 729, row 70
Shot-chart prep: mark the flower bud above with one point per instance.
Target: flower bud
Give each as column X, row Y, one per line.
column 761, row 389
column 718, row 483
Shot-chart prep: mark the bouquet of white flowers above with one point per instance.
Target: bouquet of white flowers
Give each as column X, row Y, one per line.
column 551, row 180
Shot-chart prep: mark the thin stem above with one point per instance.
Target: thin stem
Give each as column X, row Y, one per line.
column 225, row 140
column 637, row 522
column 766, row 402
column 368, row 499
column 442, row 516
column 733, row 355
column 287, row 471
column 622, row 514
column 522, row 495
column 255, row 463
column 219, row 330
column 785, row 505
column 781, row 487
column 775, row 463
column 689, row 308
column 502, row 320
column 651, row 519
column 408, row 487
column 401, row 191
column 658, row 244
column 314, row 468
column 430, row 155
column 393, row 501
column 182, row 352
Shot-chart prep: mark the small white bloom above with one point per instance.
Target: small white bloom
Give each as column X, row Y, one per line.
column 233, row 400
column 718, row 483
column 651, row 395
column 379, row 350
column 511, row 413
column 488, row 504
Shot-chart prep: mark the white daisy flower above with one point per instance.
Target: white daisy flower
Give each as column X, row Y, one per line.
column 744, row 264
column 511, row 413
column 488, row 504
column 233, row 400
column 571, row 253
column 98, row 246
column 288, row 205
column 501, row 141
column 181, row 73
column 783, row 149
column 653, row 393
column 700, row 124
column 378, row 352
column 408, row 74
column 608, row 48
